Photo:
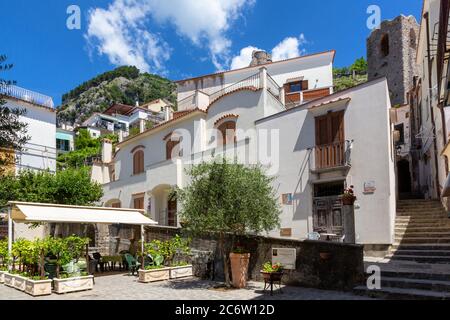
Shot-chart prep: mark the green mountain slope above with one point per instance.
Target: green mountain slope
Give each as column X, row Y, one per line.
column 123, row 85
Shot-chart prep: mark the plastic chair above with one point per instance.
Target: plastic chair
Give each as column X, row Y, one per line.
column 132, row 263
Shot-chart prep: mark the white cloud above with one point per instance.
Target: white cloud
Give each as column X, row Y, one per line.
column 244, row 58
column 121, row 34
column 290, row 47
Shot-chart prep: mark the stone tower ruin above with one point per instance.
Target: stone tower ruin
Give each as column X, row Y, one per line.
column 391, row 52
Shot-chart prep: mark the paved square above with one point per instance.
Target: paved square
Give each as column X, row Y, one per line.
column 124, row 287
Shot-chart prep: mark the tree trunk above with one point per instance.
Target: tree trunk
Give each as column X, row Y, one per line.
column 226, row 269
column 41, row 266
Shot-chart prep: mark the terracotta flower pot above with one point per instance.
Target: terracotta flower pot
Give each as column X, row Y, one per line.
column 325, row 255
column 272, row 276
column 239, row 269
column 348, row 201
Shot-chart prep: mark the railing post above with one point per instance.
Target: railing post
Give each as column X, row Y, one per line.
column 301, row 97
column 283, row 95
column 263, row 77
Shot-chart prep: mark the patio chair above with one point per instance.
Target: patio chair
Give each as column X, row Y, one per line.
column 133, row 264
column 98, row 257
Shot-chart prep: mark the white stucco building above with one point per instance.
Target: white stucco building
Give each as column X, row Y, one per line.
column 39, row 153
column 285, row 116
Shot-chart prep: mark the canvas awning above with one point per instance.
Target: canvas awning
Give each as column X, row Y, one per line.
column 23, row 212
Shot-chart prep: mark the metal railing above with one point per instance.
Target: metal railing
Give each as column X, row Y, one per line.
column 332, row 155
column 27, row 95
column 273, row 86
column 253, row 81
column 187, row 103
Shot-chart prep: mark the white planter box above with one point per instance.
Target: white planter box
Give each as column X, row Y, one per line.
column 181, row 272
column 38, row 287
column 2, row 276
column 147, row 276
column 9, row 279
column 20, row 282
column 73, row 284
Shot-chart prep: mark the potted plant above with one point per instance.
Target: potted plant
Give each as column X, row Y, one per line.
column 3, row 259
column 37, row 284
column 156, row 271
column 20, row 252
column 240, row 260
column 178, row 247
column 66, row 251
column 272, row 272
column 348, row 198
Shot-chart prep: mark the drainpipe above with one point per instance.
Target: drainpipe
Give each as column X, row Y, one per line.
column 430, row 86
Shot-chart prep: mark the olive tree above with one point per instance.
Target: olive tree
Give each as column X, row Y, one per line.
column 228, row 198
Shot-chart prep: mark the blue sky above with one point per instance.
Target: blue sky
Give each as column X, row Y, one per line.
column 175, row 38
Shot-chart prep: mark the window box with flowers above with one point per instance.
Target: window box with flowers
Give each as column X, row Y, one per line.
column 348, row 198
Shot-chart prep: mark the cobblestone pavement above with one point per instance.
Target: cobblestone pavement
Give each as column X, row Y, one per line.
column 124, row 287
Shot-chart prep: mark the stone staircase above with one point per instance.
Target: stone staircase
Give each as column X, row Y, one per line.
column 418, row 265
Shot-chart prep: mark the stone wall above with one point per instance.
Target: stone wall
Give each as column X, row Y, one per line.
column 342, row 271
column 399, row 65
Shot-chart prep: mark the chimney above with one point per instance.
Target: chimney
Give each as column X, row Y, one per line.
column 260, row 57
column 107, row 151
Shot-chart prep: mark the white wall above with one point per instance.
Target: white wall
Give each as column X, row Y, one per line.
column 40, row 151
column 372, row 160
column 315, row 68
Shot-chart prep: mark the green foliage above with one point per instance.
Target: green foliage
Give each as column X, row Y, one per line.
column 359, row 66
column 3, row 252
column 76, row 158
column 268, row 267
column 229, row 198
column 164, row 252
column 348, row 77
column 71, row 187
column 13, row 132
column 84, row 140
column 128, row 72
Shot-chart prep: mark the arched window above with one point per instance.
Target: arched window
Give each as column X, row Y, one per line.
column 227, row 133
column 138, row 162
column 385, row 45
column 172, row 148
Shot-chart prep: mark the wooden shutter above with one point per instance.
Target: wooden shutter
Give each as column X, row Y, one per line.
column 305, row 85
column 138, row 203
column 138, row 162
column 116, row 205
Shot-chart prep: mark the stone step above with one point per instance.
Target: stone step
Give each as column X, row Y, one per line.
column 421, row 258
column 423, row 252
column 421, row 220
column 412, row 234
column 421, row 209
column 419, row 228
column 423, row 240
column 421, row 247
column 421, row 284
column 406, row 224
column 402, row 294
column 416, row 274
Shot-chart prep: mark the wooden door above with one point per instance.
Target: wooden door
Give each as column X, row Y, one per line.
column 328, row 216
column 227, row 133
column 138, row 203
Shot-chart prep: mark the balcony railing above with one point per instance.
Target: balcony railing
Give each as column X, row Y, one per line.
column 301, row 97
column 330, row 156
column 252, row 82
column 27, row 95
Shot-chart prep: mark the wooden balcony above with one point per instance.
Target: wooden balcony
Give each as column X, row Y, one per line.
column 296, row 98
column 331, row 156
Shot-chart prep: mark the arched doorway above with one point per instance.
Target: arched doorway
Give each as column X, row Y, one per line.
column 404, row 177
